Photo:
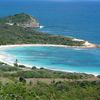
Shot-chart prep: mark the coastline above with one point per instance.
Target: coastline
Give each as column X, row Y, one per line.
column 85, row 45
column 4, row 57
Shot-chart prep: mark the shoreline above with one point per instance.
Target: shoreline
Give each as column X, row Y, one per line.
column 53, row 69
column 4, row 57
column 86, row 45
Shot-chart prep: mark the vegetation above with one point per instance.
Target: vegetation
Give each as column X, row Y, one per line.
column 44, row 73
column 18, row 18
column 22, row 71
column 18, row 83
column 8, row 35
column 7, row 68
column 22, row 20
column 98, row 76
column 24, row 35
column 53, row 91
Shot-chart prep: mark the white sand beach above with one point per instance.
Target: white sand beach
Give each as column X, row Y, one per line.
column 4, row 57
column 85, row 45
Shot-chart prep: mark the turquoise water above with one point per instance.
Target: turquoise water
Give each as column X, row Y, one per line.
column 65, row 59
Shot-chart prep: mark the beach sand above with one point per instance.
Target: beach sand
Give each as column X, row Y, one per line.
column 85, row 45
column 5, row 59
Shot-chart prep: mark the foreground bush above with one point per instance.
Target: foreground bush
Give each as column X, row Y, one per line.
column 54, row 91
column 44, row 73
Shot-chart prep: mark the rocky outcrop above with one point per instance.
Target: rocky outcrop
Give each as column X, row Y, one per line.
column 22, row 20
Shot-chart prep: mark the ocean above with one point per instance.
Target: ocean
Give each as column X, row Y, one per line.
column 75, row 19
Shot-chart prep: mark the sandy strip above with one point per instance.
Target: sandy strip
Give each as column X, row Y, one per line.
column 4, row 57
column 85, row 45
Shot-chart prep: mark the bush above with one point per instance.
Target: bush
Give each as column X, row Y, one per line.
column 98, row 76
column 8, row 68
column 41, row 68
column 22, row 66
column 22, row 79
column 34, row 67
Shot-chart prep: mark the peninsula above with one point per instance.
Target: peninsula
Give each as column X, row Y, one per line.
column 22, row 29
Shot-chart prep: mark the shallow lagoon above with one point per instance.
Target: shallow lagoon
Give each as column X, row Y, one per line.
column 58, row 58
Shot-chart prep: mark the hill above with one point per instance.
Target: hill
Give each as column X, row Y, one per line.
column 22, row 20
column 19, row 29
column 19, row 35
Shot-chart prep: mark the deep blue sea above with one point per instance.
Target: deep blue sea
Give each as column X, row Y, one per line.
column 76, row 19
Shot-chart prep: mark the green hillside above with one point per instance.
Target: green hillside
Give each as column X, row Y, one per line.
column 22, row 20
column 21, row 83
column 20, row 33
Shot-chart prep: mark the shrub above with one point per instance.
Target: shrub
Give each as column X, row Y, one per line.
column 22, row 66
column 98, row 76
column 22, row 79
column 34, row 67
